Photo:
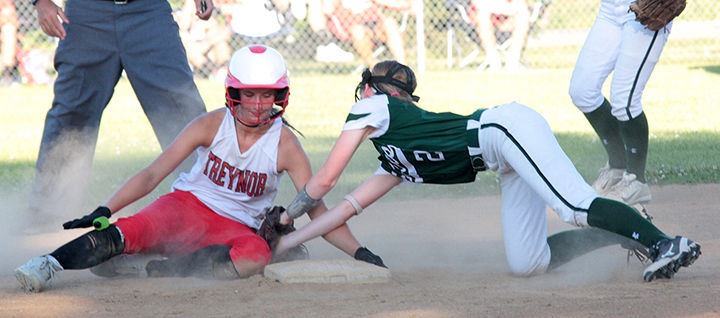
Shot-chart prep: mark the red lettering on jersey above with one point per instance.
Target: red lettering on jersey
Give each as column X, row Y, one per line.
column 252, row 184
column 249, row 182
column 219, row 181
column 242, row 181
column 211, row 157
column 261, row 184
column 214, row 170
column 234, row 172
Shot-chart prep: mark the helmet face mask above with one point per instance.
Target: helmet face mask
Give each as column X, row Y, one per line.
column 258, row 111
column 257, row 67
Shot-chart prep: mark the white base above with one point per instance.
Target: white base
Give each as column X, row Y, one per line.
column 326, row 271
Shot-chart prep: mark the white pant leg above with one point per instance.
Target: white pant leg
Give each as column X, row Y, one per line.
column 524, row 226
column 518, row 142
column 639, row 51
column 596, row 60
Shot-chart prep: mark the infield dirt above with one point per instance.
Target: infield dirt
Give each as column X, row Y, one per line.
column 447, row 260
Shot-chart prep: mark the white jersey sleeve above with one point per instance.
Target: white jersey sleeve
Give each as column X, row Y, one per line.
column 372, row 111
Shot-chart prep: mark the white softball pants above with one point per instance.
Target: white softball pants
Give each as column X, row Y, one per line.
column 616, row 43
column 517, row 141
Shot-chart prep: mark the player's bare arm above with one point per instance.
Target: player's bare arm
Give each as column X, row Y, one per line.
column 48, row 13
column 366, row 193
column 326, row 178
column 197, row 133
column 293, row 159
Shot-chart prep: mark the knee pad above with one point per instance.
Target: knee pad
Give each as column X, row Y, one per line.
column 90, row 249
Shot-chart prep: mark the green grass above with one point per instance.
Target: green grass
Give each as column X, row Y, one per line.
column 681, row 103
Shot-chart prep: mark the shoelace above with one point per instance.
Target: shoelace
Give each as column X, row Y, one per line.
column 50, row 268
column 642, row 257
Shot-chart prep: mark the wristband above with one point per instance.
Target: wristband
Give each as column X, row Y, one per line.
column 301, row 205
column 355, row 204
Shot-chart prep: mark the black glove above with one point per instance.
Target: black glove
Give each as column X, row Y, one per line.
column 270, row 229
column 87, row 221
column 364, row 254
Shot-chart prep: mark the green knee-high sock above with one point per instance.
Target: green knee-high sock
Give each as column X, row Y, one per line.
column 634, row 133
column 571, row 244
column 617, row 217
column 606, row 127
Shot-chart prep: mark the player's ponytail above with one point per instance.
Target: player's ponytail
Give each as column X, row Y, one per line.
column 286, row 123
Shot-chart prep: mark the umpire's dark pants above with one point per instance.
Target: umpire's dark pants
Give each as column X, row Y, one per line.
column 103, row 39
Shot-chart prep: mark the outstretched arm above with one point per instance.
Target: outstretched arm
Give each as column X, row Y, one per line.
column 324, row 180
column 365, row 194
column 292, row 158
column 197, row 133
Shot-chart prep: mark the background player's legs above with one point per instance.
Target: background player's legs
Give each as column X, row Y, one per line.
column 362, row 41
column 524, row 226
column 87, row 73
column 388, row 31
column 486, row 32
column 607, row 126
column 595, row 62
column 157, row 67
column 639, row 52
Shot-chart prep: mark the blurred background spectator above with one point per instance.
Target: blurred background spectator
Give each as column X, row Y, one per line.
column 362, row 23
column 432, row 39
column 256, row 21
column 8, row 43
column 327, row 49
column 508, row 18
column 206, row 42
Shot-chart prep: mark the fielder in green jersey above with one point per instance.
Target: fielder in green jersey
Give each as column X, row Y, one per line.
column 444, row 148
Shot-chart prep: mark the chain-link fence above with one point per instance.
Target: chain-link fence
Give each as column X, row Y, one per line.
column 341, row 36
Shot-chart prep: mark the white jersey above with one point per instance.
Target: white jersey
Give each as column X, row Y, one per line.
column 233, row 184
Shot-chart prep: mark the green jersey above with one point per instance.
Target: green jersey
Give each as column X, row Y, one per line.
column 417, row 145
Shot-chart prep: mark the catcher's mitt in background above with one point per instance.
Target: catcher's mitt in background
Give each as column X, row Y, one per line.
column 271, row 230
column 656, row 14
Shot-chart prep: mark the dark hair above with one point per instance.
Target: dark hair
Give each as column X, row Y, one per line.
column 391, row 78
column 291, row 127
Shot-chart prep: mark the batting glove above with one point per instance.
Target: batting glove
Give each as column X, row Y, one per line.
column 364, row 254
column 87, row 221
